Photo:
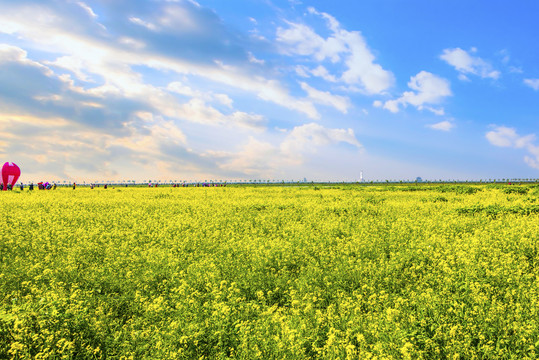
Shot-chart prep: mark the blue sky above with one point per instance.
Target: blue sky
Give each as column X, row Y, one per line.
column 263, row 89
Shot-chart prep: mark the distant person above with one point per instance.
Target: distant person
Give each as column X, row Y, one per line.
column 31, row 186
column 22, row 187
column 54, row 186
column 105, row 186
column 74, row 186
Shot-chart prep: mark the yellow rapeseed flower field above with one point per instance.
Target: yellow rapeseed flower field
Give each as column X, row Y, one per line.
column 270, row 272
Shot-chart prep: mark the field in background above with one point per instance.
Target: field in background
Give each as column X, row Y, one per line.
column 329, row 272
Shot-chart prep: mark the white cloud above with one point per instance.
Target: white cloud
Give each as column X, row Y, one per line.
column 302, row 71
column 98, row 58
column 15, row 54
column 436, row 111
column 224, row 99
column 503, row 136
column 428, row 89
column 179, row 88
column 333, row 24
column 87, row 9
column 442, row 126
column 392, row 105
column 58, row 149
column 254, row 60
column 196, row 110
column 302, row 40
column 319, row 71
column 533, row 163
column 266, row 89
column 263, row 158
column 341, row 46
column 340, row 103
column 465, row 63
column 505, row 56
column 526, row 142
column 11, row 53
column 132, row 43
column 322, row 72
column 362, row 69
column 272, row 91
column 73, row 64
column 125, row 87
column 146, row 24
column 515, row 70
column 252, row 121
column 258, row 158
column 533, row 83
column 306, row 138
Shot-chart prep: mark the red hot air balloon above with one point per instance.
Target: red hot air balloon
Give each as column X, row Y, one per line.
column 10, row 174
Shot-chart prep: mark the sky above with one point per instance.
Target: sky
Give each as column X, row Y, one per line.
column 269, row 89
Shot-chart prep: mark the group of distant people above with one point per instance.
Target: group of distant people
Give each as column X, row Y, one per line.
column 40, row 185
column 44, row 186
column 9, row 187
column 194, row 185
column 199, row 185
column 48, row 186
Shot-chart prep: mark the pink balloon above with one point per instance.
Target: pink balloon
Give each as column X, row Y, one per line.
column 10, row 174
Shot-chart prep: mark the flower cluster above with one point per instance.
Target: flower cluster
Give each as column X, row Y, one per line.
column 335, row 272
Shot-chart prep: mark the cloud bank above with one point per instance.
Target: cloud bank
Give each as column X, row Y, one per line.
column 110, row 89
column 503, row 136
column 467, row 64
column 341, row 46
column 427, row 89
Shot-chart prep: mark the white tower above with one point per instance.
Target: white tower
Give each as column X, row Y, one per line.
column 361, row 176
